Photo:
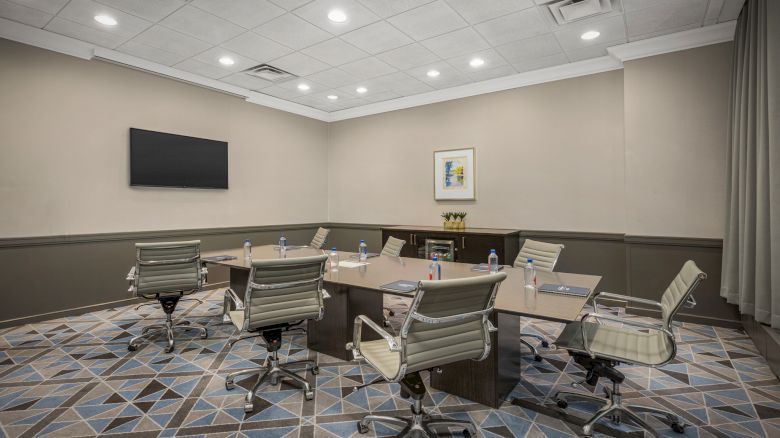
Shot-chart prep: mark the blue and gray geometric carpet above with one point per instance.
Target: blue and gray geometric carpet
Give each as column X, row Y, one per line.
column 74, row 377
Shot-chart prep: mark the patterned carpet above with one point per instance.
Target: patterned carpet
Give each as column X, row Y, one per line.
column 74, row 377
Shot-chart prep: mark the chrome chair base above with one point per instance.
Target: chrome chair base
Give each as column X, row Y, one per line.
column 273, row 372
column 419, row 425
column 615, row 409
column 167, row 329
column 534, row 350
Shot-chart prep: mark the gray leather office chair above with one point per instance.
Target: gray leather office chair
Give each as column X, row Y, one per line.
column 447, row 322
column 165, row 272
column 599, row 348
column 545, row 256
column 319, row 238
column 392, row 248
column 280, row 294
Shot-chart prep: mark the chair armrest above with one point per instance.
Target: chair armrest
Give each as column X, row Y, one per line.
column 229, row 293
column 612, row 296
column 325, row 295
column 599, row 317
column 131, row 274
column 358, row 333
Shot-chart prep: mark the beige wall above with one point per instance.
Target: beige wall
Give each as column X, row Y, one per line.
column 676, row 113
column 639, row 151
column 64, row 145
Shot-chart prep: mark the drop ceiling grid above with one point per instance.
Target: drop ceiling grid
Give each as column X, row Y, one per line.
column 191, row 35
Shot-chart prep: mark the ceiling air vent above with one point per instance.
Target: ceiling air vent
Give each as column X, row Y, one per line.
column 269, row 73
column 567, row 11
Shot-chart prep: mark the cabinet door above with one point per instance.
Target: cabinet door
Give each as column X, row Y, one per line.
column 476, row 248
column 409, row 249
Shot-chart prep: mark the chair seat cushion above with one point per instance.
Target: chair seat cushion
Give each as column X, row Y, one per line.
column 623, row 344
column 378, row 354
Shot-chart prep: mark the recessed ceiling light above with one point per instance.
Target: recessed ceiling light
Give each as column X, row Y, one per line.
column 337, row 16
column 105, row 19
column 433, row 73
column 361, row 90
column 226, row 60
column 332, row 97
column 477, row 62
column 590, row 35
column 303, row 87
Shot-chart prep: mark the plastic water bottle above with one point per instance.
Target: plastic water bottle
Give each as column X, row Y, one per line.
column 334, row 260
column 493, row 262
column 434, row 271
column 363, row 251
column 282, row 246
column 247, row 250
column 529, row 273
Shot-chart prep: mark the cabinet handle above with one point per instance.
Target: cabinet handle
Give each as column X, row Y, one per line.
column 411, row 239
column 463, row 242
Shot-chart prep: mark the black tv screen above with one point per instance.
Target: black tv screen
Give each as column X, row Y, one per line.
column 158, row 159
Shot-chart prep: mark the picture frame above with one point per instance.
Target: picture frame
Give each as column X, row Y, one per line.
column 454, row 175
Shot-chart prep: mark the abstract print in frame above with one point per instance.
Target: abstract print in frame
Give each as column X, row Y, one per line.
column 453, row 175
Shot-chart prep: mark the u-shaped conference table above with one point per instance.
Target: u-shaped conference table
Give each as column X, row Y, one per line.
column 357, row 291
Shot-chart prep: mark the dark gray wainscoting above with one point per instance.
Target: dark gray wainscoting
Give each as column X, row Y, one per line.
column 49, row 277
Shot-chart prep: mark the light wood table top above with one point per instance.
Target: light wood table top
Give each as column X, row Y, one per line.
column 382, row 270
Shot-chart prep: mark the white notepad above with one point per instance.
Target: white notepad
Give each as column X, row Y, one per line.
column 348, row 264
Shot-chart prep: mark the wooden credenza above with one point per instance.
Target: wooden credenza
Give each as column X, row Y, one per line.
column 472, row 245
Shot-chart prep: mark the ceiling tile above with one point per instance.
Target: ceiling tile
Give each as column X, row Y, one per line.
column 412, row 87
column 731, row 10
column 50, row 6
column 713, row 12
column 664, row 32
column 293, row 86
column 245, row 13
column 612, row 29
column 246, row 81
column 449, row 76
column 154, row 54
column 200, row 24
column 588, row 52
column 257, row 47
column 382, row 96
column 428, row 20
column 492, row 73
column 524, row 51
column 281, row 93
column 406, row 57
column 456, row 43
column 316, row 13
column 333, row 78
column 213, row 55
column 290, row 4
column 377, row 37
column 334, row 52
column 23, row 14
column 367, row 68
column 299, row 64
column 664, row 17
column 148, row 10
column 477, row 11
column 84, row 12
column 539, row 63
column 491, row 58
column 513, row 27
column 84, row 33
column 202, row 68
column 171, row 41
column 292, row 31
column 387, row 8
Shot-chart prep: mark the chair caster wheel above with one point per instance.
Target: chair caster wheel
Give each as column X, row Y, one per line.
column 169, row 350
column 545, row 344
column 131, row 347
column 315, row 370
column 205, row 335
column 537, row 358
column 466, row 433
column 249, row 407
column 362, row 429
column 391, row 312
column 308, row 395
column 229, row 385
column 678, row 427
column 386, row 323
column 563, row 404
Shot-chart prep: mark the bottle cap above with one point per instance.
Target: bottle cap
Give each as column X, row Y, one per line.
column 333, row 249
column 247, row 240
column 362, row 241
column 492, row 251
column 530, row 260
column 435, row 258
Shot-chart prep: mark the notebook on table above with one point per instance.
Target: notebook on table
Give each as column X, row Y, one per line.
column 368, row 255
column 559, row 289
column 218, row 258
column 483, row 267
column 405, row 286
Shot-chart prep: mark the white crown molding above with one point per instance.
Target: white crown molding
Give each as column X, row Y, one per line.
column 558, row 72
column 689, row 39
column 673, row 42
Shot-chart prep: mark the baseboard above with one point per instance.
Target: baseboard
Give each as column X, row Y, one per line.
column 75, row 311
column 686, row 317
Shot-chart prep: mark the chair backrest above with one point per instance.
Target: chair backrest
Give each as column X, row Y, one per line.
column 679, row 291
column 448, row 322
column 319, row 238
column 167, row 267
column 545, row 255
column 283, row 291
column 393, row 247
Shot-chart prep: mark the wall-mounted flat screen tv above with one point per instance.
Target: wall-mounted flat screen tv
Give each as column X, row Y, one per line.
column 158, row 159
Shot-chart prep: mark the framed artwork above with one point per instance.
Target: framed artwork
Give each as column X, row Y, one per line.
column 454, row 178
